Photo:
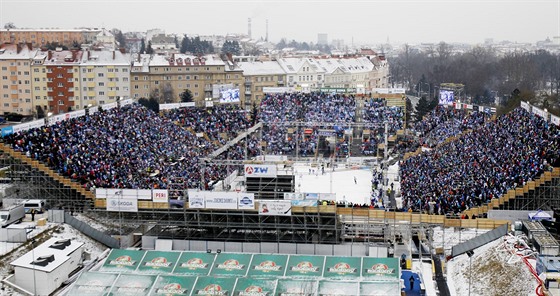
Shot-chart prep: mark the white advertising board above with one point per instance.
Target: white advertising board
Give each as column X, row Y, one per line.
column 294, row 196
column 160, row 195
column 275, row 207
column 196, row 199
column 221, row 200
column 526, row 106
column 246, row 201
column 260, row 170
column 555, row 119
column 117, row 204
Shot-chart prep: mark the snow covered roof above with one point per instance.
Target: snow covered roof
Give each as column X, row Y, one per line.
column 16, row 52
column 49, row 255
column 261, row 68
column 64, row 57
column 294, row 65
column 185, row 60
column 115, row 58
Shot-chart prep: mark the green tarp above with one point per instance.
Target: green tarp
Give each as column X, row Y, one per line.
column 342, row 288
column 255, row 287
column 132, row 285
column 194, row 263
column 288, row 287
column 93, row 284
column 214, row 286
column 170, row 285
column 122, row 260
column 156, row 262
column 380, row 269
column 342, row 267
column 267, row 265
column 231, row 264
column 305, row 266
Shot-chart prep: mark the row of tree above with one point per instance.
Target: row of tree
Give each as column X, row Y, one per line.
column 484, row 73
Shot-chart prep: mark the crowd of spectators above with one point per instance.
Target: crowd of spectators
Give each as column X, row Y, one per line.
column 128, row 147
column 480, row 165
column 221, row 119
column 280, row 112
column 376, row 112
column 440, row 124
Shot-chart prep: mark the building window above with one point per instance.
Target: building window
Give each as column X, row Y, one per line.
column 101, row 93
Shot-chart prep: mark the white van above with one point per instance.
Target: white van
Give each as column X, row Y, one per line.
column 37, row 204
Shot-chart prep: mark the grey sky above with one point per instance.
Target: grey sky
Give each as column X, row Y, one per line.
column 366, row 21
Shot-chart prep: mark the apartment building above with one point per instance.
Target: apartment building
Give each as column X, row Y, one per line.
column 40, row 37
column 15, row 80
column 104, row 78
column 259, row 75
column 62, row 69
column 304, row 74
column 176, row 72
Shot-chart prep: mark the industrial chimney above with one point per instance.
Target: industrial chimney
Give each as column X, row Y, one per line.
column 266, row 39
column 249, row 27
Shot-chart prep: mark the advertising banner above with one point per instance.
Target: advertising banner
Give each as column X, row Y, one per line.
column 342, row 267
column 169, row 285
column 254, row 287
column 231, row 264
column 275, row 207
column 294, row 196
column 194, row 263
column 132, row 284
column 220, row 200
column 245, row 201
column 304, row 203
column 380, row 269
column 267, row 265
column 539, row 112
column 338, row 288
column 277, row 90
column 93, row 284
column 157, row 262
column 160, row 195
column 260, row 170
column 305, row 266
column 196, row 199
column 289, row 287
column 122, row 260
column 214, row 286
column 526, row 106
column 555, row 120
column 118, row 204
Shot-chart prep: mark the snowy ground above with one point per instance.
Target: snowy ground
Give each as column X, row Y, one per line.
column 494, row 272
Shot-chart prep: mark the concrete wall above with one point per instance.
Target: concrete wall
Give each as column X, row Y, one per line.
column 356, row 250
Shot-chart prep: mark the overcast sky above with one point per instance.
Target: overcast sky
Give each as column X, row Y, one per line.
column 363, row 21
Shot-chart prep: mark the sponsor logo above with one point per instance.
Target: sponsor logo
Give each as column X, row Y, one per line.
column 245, row 201
column 123, row 260
column 342, row 268
column 304, row 267
column 212, row 289
column 255, row 170
column 253, row 291
column 231, row 264
column 195, row 263
column 196, row 202
column 158, row 262
column 267, row 266
column 172, row 288
column 380, row 268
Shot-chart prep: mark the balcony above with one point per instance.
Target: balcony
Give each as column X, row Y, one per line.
column 248, row 82
column 247, row 92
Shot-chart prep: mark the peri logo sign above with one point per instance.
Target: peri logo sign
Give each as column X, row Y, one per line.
column 260, row 170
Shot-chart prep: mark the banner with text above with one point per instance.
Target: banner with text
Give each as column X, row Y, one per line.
column 260, row 170
column 118, row 204
column 275, row 207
